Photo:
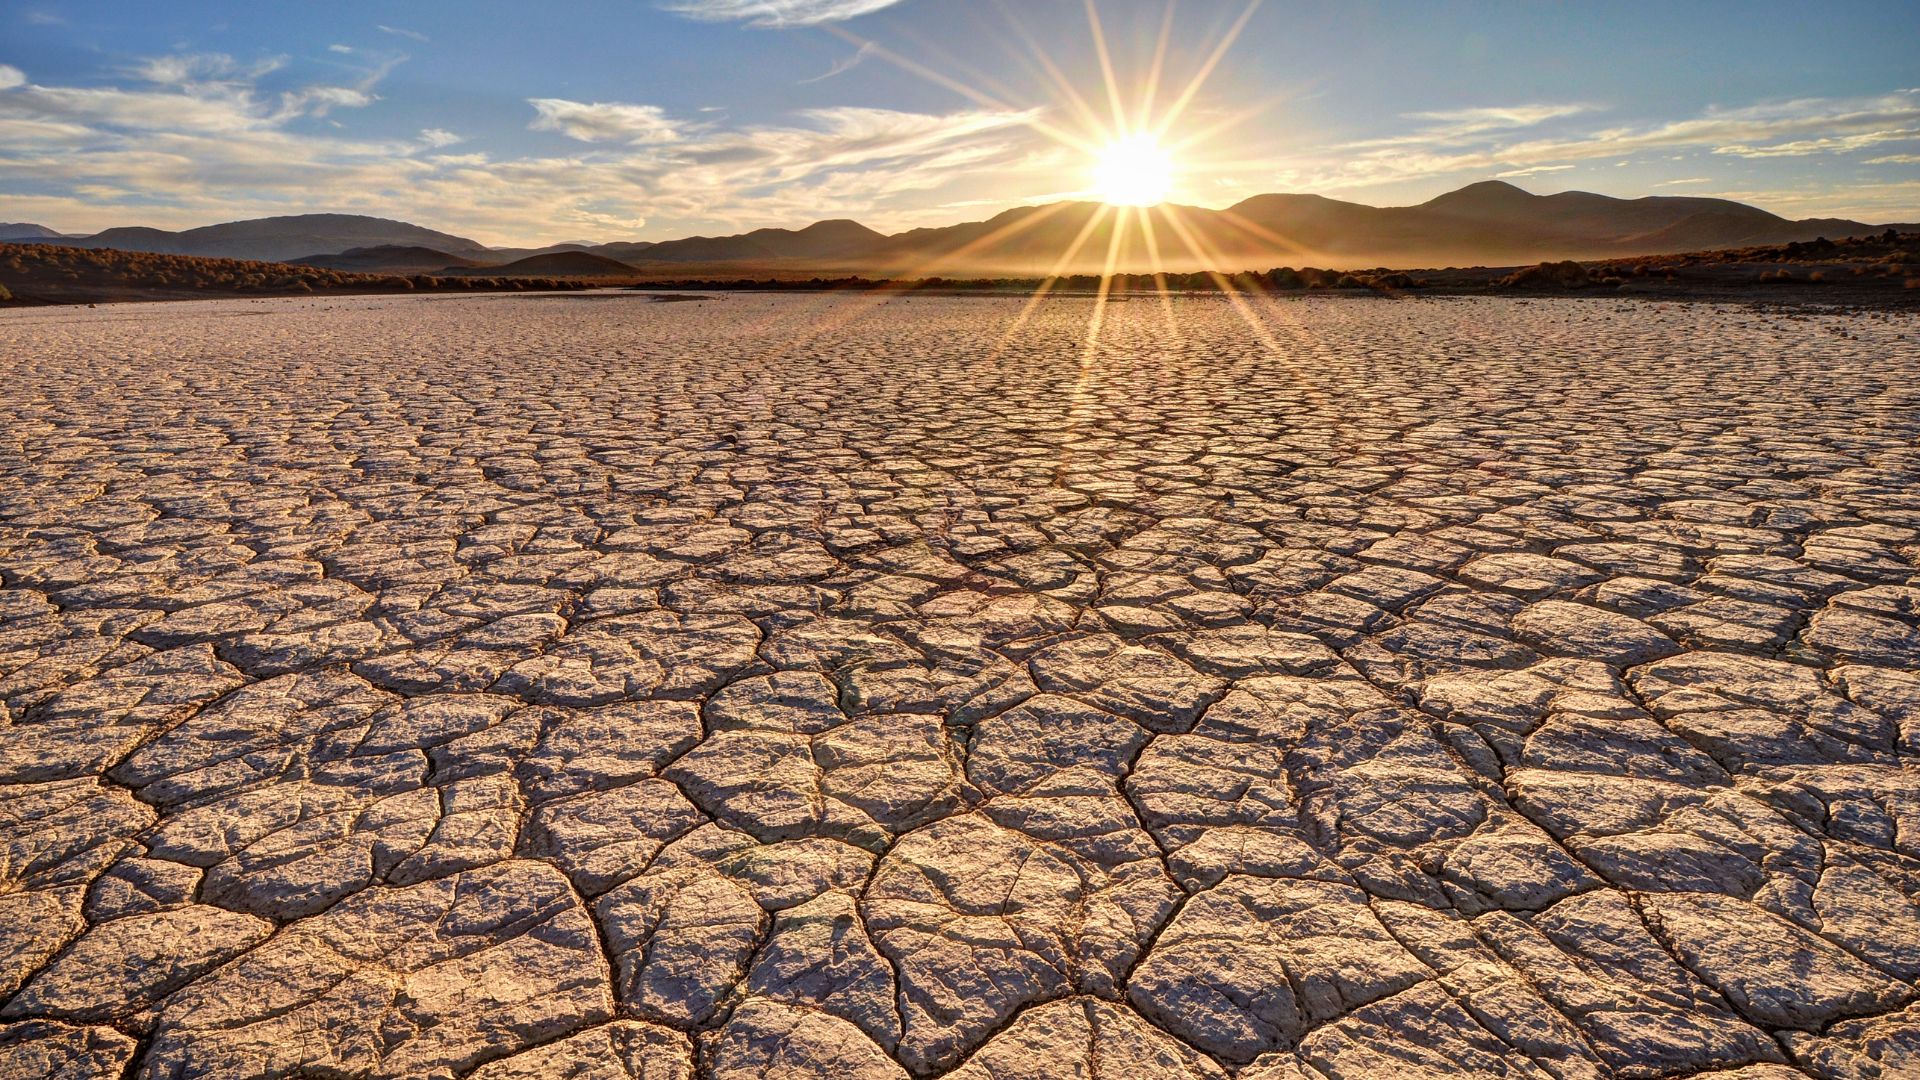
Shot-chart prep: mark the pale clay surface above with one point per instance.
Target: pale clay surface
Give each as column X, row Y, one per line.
column 784, row 687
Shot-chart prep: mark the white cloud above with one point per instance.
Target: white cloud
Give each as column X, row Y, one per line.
column 1531, row 170
column 437, row 137
column 344, row 50
column 777, row 14
column 1685, row 180
column 398, row 31
column 603, row 121
column 1894, row 159
column 320, row 100
column 11, row 77
column 206, row 109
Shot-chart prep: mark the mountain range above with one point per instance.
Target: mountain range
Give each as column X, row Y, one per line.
column 1488, row 223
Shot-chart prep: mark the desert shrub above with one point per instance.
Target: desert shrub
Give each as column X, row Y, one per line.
column 1567, row 275
column 5, row 294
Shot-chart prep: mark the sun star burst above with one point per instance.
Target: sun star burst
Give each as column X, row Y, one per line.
column 1133, row 170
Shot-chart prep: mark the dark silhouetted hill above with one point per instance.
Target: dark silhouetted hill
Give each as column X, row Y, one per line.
column 25, row 230
column 555, row 264
column 388, row 259
column 835, row 239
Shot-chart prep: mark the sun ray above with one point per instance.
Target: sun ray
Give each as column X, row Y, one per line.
column 1038, row 55
column 1098, row 317
column 1133, row 167
column 1283, row 316
column 1046, row 284
column 1106, row 70
column 1172, row 115
column 1261, row 232
column 978, row 97
column 1078, row 398
column 1225, row 284
column 866, row 300
column 1226, row 123
column 1158, row 268
column 1151, row 88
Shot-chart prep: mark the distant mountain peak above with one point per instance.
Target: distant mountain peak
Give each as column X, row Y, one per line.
column 26, row 230
column 1485, row 193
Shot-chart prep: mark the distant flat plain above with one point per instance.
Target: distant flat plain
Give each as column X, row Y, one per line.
column 791, row 685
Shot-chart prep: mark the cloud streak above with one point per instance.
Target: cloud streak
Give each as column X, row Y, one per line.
column 841, row 67
column 1485, row 141
column 777, row 14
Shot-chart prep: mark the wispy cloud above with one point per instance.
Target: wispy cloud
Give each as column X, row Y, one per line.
column 1833, row 144
column 438, row 137
column 399, row 31
column 188, row 69
column 1532, row 170
column 1462, row 144
column 1894, row 159
column 1459, row 125
column 603, row 121
column 841, row 67
column 777, row 14
column 11, row 77
column 1863, row 202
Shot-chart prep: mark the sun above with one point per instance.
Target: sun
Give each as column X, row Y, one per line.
column 1133, row 170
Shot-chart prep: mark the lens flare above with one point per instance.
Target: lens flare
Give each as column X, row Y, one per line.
column 1133, row 170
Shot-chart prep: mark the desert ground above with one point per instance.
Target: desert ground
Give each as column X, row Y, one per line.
column 801, row 685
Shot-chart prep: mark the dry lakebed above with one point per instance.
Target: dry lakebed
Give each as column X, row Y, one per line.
column 810, row 685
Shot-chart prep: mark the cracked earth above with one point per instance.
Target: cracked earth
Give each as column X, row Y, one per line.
column 780, row 687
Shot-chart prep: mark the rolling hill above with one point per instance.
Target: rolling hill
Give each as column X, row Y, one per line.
column 388, row 259
column 24, row 230
column 822, row 240
column 1488, row 223
column 555, row 264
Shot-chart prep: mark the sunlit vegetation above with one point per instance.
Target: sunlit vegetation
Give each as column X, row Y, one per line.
column 1866, row 260
column 45, row 271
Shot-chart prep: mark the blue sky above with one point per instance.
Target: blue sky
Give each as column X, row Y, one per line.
column 534, row 123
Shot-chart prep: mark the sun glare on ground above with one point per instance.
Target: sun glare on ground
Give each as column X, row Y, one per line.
column 1133, row 170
